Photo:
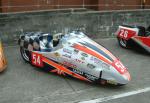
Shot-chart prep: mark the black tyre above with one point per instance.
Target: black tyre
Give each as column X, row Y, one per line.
column 25, row 54
column 123, row 43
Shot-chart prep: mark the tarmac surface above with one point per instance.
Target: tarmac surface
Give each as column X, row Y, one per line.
column 23, row 83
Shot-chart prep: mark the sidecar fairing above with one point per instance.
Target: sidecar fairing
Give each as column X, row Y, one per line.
column 73, row 54
column 136, row 37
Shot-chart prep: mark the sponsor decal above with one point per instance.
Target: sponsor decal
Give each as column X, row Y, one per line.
column 95, row 60
column 67, row 51
column 58, row 71
column 57, row 54
column 105, row 66
column 79, row 61
column 67, row 56
column 78, row 71
column 83, row 58
column 91, row 77
column 76, row 51
column 84, row 54
column 69, row 64
column 91, row 66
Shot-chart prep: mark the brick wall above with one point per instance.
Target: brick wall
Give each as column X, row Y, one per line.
column 0, row 7
column 147, row 4
column 119, row 4
column 28, row 5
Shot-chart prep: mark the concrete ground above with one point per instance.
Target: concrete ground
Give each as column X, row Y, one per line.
column 23, row 83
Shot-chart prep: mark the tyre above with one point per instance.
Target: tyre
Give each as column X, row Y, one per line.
column 25, row 54
column 123, row 43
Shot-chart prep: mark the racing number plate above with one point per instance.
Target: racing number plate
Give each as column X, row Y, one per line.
column 126, row 33
column 119, row 67
column 36, row 59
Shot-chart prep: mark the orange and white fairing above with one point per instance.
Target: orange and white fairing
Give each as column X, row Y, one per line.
column 74, row 55
column 3, row 63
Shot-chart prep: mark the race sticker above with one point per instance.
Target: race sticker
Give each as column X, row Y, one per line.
column 57, row 54
column 67, row 51
column 36, row 59
column 84, row 54
column 119, row 67
column 126, row 33
column 66, row 55
column 79, row 61
column 69, row 64
column 91, row 66
column 76, row 51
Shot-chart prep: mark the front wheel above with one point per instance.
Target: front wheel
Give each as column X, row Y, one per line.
column 123, row 43
column 25, row 54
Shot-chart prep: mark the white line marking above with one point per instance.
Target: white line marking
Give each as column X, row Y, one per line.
column 10, row 46
column 99, row 100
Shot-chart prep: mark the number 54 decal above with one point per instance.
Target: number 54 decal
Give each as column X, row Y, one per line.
column 36, row 59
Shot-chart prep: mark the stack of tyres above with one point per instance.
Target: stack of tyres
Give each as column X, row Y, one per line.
column 3, row 62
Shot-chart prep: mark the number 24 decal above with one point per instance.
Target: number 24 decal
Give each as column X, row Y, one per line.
column 123, row 33
column 37, row 59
